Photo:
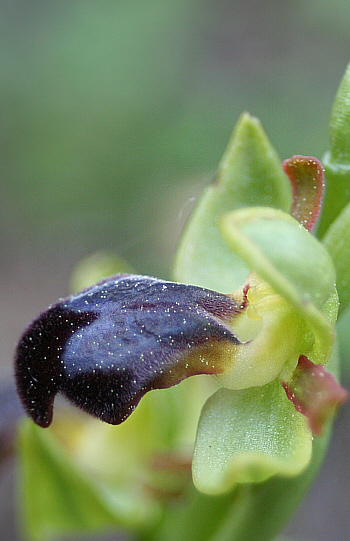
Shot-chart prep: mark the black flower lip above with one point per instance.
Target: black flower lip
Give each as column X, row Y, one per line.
column 105, row 347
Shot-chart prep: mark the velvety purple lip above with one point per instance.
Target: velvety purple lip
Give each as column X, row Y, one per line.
column 105, row 347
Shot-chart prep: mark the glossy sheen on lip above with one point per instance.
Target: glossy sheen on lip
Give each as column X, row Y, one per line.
column 105, row 347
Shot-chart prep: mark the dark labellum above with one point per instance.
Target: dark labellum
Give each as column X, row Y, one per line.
column 105, row 347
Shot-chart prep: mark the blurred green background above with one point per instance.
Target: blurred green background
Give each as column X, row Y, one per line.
column 114, row 114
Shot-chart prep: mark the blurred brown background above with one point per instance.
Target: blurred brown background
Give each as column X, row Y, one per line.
column 114, row 114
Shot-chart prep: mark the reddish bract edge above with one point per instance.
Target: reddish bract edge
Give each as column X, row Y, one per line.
column 315, row 393
column 307, row 180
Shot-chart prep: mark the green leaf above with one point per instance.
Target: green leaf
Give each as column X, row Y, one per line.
column 337, row 242
column 249, row 174
column 293, row 262
column 336, row 161
column 233, row 445
column 58, row 497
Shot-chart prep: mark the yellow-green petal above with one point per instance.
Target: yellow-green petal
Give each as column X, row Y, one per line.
column 294, row 263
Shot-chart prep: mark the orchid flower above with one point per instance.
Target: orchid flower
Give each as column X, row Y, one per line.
column 254, row 306
column 105, row 347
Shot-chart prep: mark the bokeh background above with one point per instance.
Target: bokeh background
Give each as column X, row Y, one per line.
column 114, row 115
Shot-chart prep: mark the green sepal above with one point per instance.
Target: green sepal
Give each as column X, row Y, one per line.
column 233, row 445
column 249, row 174
column 336, row 161
column 337, row 242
